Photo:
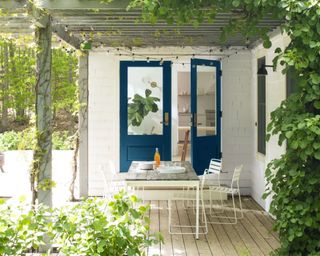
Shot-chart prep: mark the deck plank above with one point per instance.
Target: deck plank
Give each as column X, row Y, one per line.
column 189, row 240
column 262, row 216
column 249, row 237
column 166, row 248
column 253, row 248
column 202, row 242
column 154, row 227
column 233, row 235
column 268, row 237
column 223, row 237
column 178, row 245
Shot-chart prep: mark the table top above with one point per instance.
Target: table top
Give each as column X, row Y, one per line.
column 135, row 174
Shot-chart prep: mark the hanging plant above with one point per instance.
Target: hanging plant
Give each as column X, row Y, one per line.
column 140, row 107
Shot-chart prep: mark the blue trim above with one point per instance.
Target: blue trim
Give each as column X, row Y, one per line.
column 205, row 147
column 141, row 147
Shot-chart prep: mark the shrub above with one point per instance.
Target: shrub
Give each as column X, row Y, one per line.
column 94, row 227
column 25, row 140
column 86, row 229
column 22, row 229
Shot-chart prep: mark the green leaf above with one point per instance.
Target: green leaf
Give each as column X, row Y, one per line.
column 267, row 43
column 317, row 155
column 148, row 92
column 236, row 3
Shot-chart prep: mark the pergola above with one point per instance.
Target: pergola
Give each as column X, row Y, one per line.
column 99, row 24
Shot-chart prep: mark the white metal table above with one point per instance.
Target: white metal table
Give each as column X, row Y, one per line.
column 153, row 178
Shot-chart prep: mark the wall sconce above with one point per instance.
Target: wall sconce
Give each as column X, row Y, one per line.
column 262, row 71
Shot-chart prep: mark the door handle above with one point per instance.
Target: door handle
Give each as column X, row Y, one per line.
column 194, row 119
column 166, row 119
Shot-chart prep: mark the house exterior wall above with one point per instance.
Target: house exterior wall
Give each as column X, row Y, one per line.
column 275, row 94
column 237, row 122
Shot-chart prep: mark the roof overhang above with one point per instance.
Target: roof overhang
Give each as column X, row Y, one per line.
column 76, row 21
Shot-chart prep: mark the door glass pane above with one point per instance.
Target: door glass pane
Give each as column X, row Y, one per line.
column 206, row 100
column 145, row 101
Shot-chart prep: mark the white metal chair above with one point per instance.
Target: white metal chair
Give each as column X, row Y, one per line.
column 214, row 169
column 212, row 178
column 188, row 194
column 233, row 190
column 111, row 185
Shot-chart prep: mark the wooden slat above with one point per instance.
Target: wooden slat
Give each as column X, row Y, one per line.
column 178, row 245
column 261, row 216
column 189, row 240
column 252, row 247
column 274, row 243
column 154, row 227
column 223, row 238
column 166, row 248
column 233, row 235
column 248, row 237
column 202, row 242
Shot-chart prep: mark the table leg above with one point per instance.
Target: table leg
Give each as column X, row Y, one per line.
column 197, row 211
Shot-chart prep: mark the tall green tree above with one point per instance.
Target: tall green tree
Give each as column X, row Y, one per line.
column 295, row 176
column 17, row 80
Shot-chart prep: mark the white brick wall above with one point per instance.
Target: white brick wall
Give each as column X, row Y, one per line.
column 238, row 123
column 275, row 93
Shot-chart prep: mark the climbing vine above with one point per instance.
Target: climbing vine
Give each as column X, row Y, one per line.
column 294, row 178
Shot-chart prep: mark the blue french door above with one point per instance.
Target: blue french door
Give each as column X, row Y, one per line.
column 206, row 112
column 145, row 111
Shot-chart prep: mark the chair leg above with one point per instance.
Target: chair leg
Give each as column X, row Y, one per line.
column 240, row 204
column 234, row 209
column 169, row 221
column 210, row 194
column 204, row 217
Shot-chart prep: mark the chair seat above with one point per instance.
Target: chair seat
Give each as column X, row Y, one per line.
column 224, row 189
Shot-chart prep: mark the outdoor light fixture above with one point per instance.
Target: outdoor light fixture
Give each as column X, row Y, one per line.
column 262, row 71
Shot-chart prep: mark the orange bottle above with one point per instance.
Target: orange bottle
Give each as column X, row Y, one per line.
column 157, row 158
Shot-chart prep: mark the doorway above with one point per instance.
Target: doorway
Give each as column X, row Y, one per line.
column 199, row 113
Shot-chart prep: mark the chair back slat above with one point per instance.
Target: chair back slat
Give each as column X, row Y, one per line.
column 236, row 173
column 215, row 166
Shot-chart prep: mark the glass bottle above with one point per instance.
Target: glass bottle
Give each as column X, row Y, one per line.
column 157, row 158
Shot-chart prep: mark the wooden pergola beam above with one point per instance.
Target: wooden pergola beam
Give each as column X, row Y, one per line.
column 80, row 4
column 12, row 5
column 74, row 41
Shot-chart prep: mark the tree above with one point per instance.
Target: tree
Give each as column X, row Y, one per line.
column 295, row 176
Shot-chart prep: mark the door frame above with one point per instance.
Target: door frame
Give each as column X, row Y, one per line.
column 151, row 140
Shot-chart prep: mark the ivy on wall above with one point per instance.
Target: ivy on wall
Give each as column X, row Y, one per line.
column 295, row 176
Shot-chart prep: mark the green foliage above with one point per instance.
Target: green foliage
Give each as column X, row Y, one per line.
column 21, row 228
column 18, row 78
column 25, row 140
column 92, row 227
column 64, row 80
column 294, row 178
column 86, row 228
column 140, row 107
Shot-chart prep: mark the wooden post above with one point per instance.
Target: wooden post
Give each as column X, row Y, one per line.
column 43, row 152
column 83, row 125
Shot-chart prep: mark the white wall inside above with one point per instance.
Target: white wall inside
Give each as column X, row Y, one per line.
column 238, row 123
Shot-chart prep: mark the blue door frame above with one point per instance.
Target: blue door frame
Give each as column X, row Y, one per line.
column 205, row 148
column 142, row 147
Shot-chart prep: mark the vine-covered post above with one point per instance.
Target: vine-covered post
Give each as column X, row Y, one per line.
column 83, row 124
column 42, row 167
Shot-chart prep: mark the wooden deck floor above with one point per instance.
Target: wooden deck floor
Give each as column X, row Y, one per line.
column 252, row 235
